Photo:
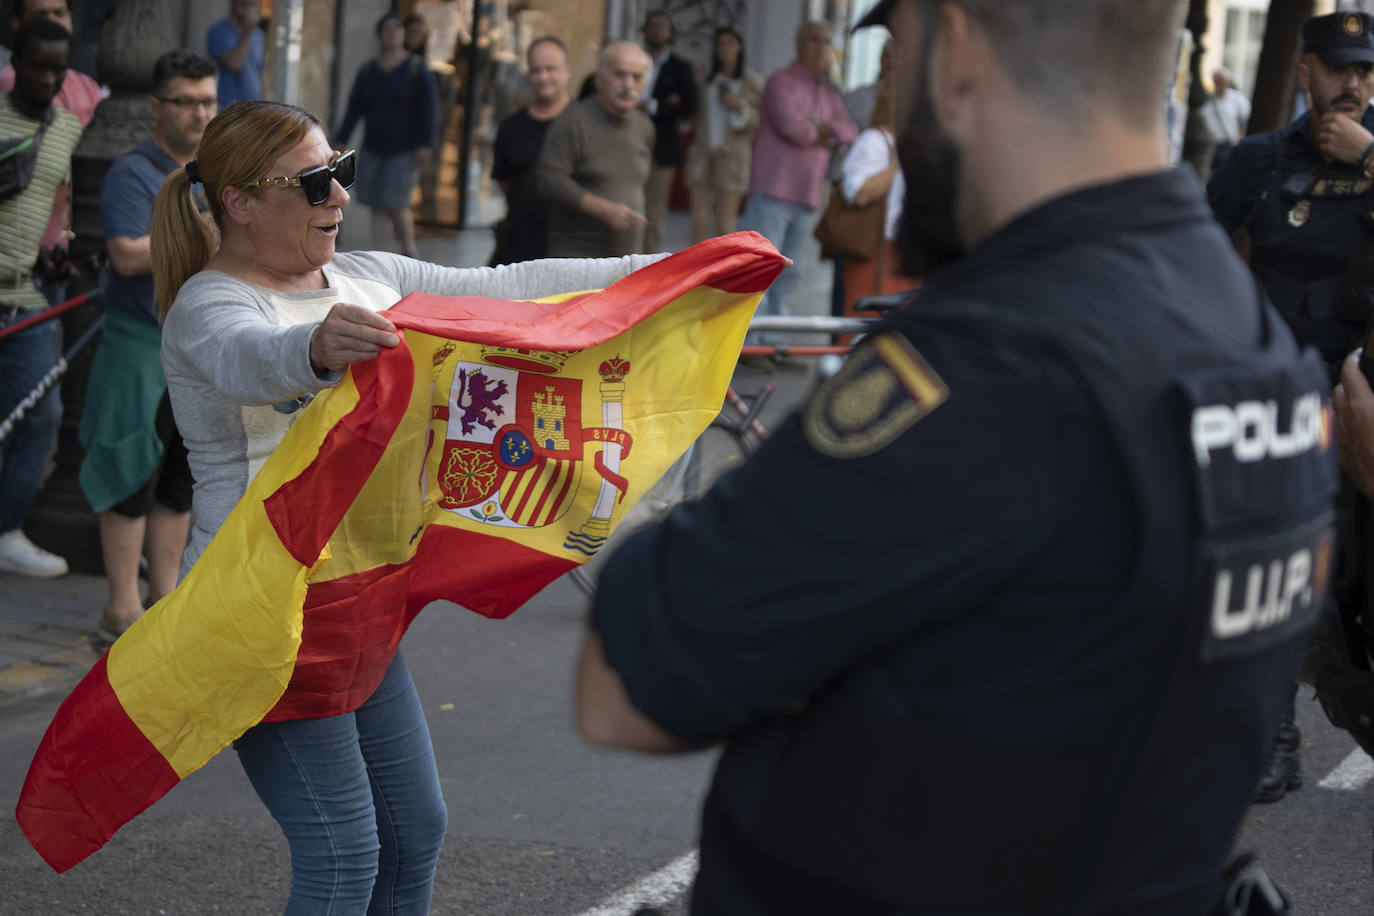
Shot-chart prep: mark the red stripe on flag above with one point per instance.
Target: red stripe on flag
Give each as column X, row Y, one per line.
column 742, row 262
column 352, row 625
column 489, row 575
column 92, row 773
column 350, row 450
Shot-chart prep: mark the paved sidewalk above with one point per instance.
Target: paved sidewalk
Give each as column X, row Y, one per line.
column 47, row 632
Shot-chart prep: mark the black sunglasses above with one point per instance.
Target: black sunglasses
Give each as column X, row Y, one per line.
column 317, row 182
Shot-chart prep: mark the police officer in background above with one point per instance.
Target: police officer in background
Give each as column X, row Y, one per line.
column 1299, row 199
column 1002, row 620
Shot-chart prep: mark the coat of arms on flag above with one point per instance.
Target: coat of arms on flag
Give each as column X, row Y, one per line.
column 515, row 435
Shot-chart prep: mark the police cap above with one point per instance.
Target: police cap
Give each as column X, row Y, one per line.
column 1340, row 39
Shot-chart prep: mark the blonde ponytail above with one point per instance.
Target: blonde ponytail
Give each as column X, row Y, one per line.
column 181, row 242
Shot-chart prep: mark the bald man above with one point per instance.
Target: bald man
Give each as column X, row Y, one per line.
column 595, row 161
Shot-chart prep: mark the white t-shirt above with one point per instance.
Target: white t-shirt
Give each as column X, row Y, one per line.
column 870, row 154
column 1234, row 109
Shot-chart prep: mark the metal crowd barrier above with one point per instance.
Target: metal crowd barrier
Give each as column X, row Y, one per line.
column 46, row 383
column 741, row 412
column 809, row 324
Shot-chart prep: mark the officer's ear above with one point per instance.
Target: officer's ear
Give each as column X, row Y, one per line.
column 961, row 60
column 1305, row 76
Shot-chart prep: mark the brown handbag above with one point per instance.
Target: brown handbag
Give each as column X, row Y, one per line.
column 851, row 232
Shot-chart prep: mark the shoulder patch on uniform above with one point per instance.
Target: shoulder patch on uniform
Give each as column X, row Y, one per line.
column 882, row 391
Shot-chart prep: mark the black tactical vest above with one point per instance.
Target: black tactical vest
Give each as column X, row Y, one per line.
column 1314, row 222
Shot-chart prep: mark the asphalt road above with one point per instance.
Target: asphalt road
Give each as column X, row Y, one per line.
column 541, row 825
column 1316, row 842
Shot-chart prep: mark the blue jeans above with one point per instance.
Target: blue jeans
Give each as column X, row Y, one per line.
column 788, row 226
column 358, row 798
column 24, row 359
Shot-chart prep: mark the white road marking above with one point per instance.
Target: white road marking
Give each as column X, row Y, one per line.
column 1353, row 773
column 663, row 886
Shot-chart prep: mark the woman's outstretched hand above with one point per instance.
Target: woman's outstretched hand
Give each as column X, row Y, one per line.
column 349, row 334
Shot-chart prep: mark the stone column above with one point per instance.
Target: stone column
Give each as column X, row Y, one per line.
column 136, row 34
column 1276, row 81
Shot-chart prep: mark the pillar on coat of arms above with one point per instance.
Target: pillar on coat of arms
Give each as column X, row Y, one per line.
column 592, row 535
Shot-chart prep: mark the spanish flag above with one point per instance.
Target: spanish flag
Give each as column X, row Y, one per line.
column 490, row 453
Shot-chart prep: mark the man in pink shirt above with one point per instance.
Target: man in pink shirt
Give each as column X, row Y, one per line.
column 79, row 95
column 802, row 118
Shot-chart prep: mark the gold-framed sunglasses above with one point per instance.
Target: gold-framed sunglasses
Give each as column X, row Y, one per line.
column 317, row 182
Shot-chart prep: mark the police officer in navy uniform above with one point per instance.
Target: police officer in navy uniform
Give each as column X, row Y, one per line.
column 1302, row 200
column 1003, row 618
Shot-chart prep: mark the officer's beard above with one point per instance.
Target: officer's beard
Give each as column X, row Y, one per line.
column 927, row 234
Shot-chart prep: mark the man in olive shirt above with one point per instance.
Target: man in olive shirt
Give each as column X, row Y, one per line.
column 595, row 161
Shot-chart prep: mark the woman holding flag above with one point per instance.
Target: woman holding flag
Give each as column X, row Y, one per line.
column 252, row 329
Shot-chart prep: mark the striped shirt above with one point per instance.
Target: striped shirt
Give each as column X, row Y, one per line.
column 25, row 215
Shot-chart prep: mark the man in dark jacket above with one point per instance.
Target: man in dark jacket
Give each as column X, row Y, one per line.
column 669, row 98
column 1059, row 531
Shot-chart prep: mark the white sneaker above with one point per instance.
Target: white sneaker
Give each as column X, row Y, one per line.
column 20, row 555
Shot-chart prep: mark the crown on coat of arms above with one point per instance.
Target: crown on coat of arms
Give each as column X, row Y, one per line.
column 443, row 353
column 545, row 362
column 614, row 369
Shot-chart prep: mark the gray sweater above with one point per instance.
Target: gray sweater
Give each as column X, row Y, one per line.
column 237, row 355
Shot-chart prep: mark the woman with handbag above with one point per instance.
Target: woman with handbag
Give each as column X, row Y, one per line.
column 865, row 206
column 727, row 119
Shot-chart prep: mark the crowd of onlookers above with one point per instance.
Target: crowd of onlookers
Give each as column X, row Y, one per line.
column 593, row 176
